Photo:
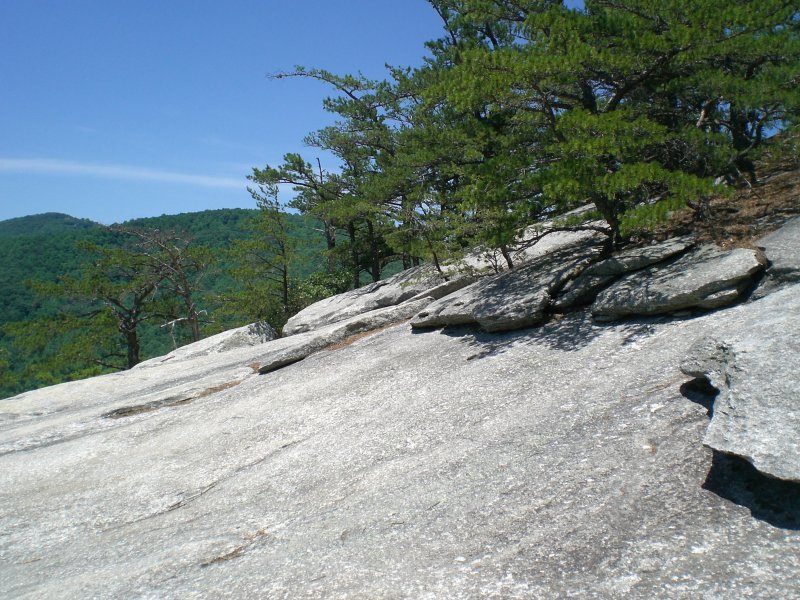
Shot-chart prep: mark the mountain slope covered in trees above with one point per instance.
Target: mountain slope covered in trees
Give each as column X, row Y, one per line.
column 46, row 249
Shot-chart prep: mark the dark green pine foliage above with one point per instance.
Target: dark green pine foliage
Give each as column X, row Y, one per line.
column 635, row 106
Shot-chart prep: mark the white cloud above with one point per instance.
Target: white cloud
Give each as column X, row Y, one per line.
column 66, row 167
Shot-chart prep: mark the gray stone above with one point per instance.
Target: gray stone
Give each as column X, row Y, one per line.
column 509, row 300
column 705, row 278
column 557, row 462
column 757, row 412
column 564, row 461
column 290, row 349
column 596, row 276
column 249, row 335
column 782, row 249
column 417, row 282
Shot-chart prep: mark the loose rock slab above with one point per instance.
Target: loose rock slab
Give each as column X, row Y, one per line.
column 510, row 300
column 292, row 349
column 782, row 249
column 757, row 412
column 585, row 287
column 706, row 278
column 241, row 337
column 412, row 283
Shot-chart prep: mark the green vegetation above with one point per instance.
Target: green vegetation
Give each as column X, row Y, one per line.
column 529, row 109
column 523, row 111
column 79, row 299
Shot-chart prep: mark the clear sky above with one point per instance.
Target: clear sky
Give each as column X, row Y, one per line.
column 117, row 109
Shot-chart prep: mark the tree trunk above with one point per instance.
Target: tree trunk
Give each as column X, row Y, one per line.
column 374, row 251
column 285, row 289
column 330, row 242
column 507, row 256
column 192, row 318
column 607, row 209
column 128, row 330
column 351, row 232
column 741, row 143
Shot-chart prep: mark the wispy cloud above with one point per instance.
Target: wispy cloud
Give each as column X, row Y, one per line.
column 66, row 167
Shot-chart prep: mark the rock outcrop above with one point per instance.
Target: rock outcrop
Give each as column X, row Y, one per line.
column 362, row 457
column 413, row 283
column 707, row 278
column 291, row 349
column 757, row 413
column 250, row 335
column 782, row 250
column 510, row 300
column 585, row 287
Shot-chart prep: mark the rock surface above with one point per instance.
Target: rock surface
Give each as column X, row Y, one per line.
column 249, row 335
column 552, row 462
column 591, row 280
column 425, row 281
column 509, row 300
column 706, row 278
column 757, row 413
column 291, row 349
column 782, row 249
column 412, row 283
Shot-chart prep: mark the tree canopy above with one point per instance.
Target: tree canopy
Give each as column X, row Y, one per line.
column 527, row 109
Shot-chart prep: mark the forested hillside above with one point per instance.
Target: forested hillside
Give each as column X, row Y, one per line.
column 47, row 248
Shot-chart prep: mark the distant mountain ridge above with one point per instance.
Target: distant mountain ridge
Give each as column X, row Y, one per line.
column 44, row 224
column 45, row 246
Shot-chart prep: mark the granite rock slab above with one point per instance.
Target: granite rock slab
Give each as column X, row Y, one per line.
column 756, row 414
column 416, row 282
column 510, row 300
column 291, row 349
column 591, row 280
column 706, row 278
column 253, row 334
column 782, row 251
column 555, row 462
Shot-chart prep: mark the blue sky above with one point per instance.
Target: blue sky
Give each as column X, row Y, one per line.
column 117, row 109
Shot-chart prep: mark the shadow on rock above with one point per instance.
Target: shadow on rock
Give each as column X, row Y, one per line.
column 771, row 500
column 567, row 333
column 486, row 344
column 700, row 391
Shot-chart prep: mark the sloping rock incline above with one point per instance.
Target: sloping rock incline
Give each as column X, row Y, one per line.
column 412, row 283
column 249, row 335
column 425, row 281
column 293, row 348
column 782, row 249
column 757, row 412
column 706, row 278
column 556, row 462
column 563, row 461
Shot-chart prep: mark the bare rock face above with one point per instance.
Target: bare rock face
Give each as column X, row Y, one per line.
column 249, row 335
column 294, row 348
column 706, row 278
column 782, row 250
column 591, row 280
column 417, row 282
column 509, row 300
column 757, row 413
column 555, row 462
column 369, row 459
column 425, row 281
